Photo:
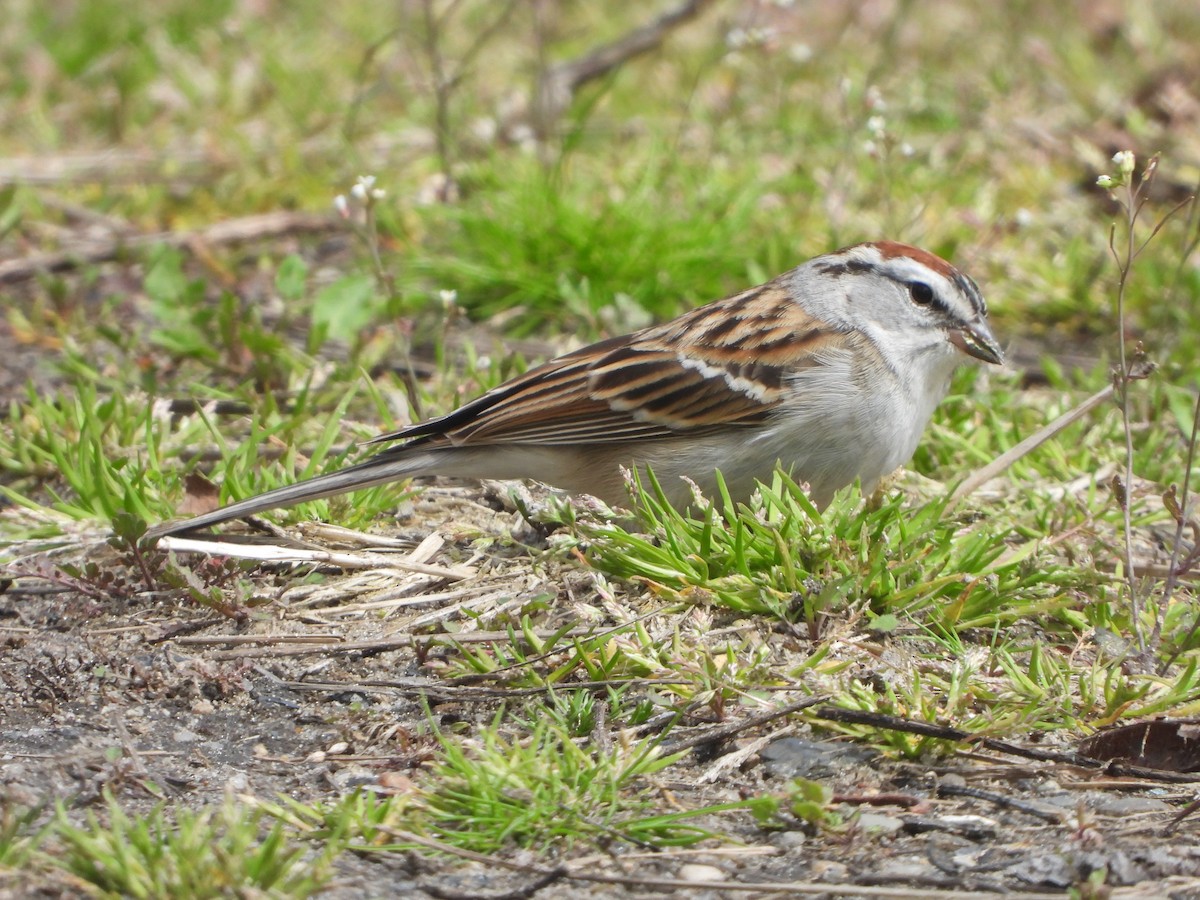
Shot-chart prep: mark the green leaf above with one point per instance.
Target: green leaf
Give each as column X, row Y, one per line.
column 165, row 282
column 345, row 307
column 885, row 624
column 291, row 278
column 10, row 210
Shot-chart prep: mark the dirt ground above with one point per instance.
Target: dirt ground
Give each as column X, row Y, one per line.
column 322, row 690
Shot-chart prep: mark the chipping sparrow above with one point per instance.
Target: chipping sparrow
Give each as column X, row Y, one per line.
column 831, row 370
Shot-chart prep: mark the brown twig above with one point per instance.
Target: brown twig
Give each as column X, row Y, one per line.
column 111, row 167
column 383, row 645
column 1027, row 446
column 943, row 732
column 443, row 692
column 558, row 84
column 1005, row 801
column 231, row 231
column 727, row 730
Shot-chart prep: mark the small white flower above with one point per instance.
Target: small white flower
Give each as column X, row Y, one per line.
column 1125, row 161
column 523, row 136
column 875, row 99
column 448, row 298
column 378, row 194
column 877, row 125
column 907, row 149
column 1105, row 181
column 800, row 53
column 485, row 130
column 342, row 205
column 870, row 148
column 740, row 38
column 362, row 188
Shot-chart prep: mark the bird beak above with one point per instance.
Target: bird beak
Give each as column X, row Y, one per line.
column 978, row 341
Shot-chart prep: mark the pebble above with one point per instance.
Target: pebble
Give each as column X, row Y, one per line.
column 701, row 872
column 878, row 823
column 903, row 868
column 789, row 840
column 792, row 757
column 827, row 870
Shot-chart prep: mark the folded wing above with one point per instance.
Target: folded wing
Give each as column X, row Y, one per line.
column 720, row 365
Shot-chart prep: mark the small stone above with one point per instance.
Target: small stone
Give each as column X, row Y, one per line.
column 977, row 827
column 793, row 757
column 395, row 782
column 827, row 870
column 903, row 868
column 1113, row 805
column 353, row 777
column 701, row 872
column 879, row 823
column 789, row 840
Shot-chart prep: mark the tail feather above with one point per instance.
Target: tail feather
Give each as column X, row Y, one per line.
column 371, row 472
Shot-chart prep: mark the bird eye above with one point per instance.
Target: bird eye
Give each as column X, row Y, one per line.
column 921, row 292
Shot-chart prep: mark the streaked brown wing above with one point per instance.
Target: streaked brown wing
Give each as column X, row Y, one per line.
column 719, row 365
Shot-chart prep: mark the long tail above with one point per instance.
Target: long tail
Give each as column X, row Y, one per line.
column 380, row 469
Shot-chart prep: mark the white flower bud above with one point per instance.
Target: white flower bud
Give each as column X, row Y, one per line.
column 800, row 53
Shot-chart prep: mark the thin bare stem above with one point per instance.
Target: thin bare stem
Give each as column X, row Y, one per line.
column 384, row 278
column 1180, row 520
column 350, row 125
column 1136, row 195
column 446, row 76
column 1191, row 227
column 1121, row 383
column 442, row 86
column 1025, row 447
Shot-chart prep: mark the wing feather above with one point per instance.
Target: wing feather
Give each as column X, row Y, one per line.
column 719, row 365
